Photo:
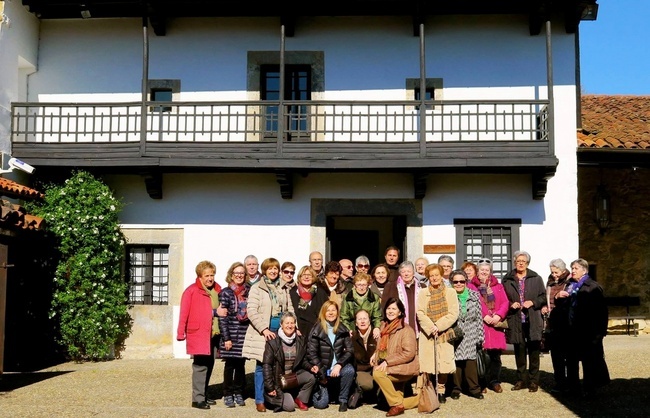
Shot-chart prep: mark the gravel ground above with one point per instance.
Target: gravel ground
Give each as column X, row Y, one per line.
column 134, row 387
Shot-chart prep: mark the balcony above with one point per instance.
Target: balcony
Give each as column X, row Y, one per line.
column 495, row 136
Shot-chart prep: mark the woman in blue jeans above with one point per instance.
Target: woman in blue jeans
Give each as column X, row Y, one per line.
column 267, row 300
column 330, row 352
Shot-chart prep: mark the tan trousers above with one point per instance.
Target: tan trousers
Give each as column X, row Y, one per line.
column 392, row 387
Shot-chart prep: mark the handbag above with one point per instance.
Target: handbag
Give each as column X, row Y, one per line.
column 501, row 324
column 355, row 398
column 458, row 334
column 428, row 401
column 482, row 362
column 289, row 381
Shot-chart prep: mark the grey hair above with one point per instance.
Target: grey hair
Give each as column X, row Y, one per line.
column 558, row 263
column 484, row 262
column 581, row 262
column 361, row 259
column 446, row 257
column 288, row 314
column 408, row 264
column 250, row 257
column 524, row 253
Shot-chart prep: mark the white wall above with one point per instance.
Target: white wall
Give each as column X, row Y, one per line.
column 373, row 56
column 18, row 50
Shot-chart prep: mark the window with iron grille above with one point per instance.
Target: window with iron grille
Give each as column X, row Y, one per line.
column 494, row 239
column 147, row 272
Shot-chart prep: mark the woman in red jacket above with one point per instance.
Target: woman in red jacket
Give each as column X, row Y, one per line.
column 198, row 326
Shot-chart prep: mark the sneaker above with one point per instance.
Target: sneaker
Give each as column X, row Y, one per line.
column 239, row 400
column 229, row 401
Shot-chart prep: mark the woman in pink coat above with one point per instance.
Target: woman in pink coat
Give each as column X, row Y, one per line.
column 494, row 304
column 197, row 325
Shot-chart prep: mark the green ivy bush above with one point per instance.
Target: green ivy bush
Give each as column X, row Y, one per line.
column 89, row 304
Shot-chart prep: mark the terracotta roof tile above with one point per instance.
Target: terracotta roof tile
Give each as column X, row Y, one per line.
column 14, row 217
column 13, row 189
column 621, row 122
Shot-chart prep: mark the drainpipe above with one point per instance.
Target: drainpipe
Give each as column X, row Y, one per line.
column 145, row 84
column 578, row 81
column 549, row 83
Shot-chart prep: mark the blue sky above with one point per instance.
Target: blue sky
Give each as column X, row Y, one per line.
column 615, row 49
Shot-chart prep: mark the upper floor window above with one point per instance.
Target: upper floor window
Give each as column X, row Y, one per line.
column 161, row 95
column 494, row 239
column 297, row 86
column 147, row 273
column 164, row 90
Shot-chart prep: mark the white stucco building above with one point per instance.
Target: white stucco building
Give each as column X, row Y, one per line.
column 487, row 167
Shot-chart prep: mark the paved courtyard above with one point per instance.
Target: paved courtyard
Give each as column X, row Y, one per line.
column 133, row 387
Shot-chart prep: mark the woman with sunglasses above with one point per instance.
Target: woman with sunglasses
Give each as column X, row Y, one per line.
column 470, row 321
column 233, row 327
column 287, row 272
column 494, row 307
column 307, row 297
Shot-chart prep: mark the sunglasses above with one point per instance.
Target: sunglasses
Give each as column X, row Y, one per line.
column 289, row 272
column 458, row 281
column 363, row 266
column 347, row 267
column 484, row 261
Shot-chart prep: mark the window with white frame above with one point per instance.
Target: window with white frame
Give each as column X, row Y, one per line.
column 493, row 239
column 147, row 273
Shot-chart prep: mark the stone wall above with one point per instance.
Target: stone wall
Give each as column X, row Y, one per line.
column 621, row 256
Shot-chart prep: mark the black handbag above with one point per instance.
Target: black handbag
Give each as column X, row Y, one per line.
column 457, row 334
column 482, row 362
column 289, row 381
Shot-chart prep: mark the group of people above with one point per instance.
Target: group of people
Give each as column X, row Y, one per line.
column 340, row 332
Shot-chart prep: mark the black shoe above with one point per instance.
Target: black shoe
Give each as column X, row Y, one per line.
column 533, row 387
column 200, row 405
column 442, row 398
column 343, row 407
column 210, row 401
column 519, row 385
column 455, row 395
column 477, row 395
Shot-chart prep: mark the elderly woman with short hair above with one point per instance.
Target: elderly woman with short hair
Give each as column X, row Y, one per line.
column 526, row 296
column 494, row 307
column 557, row 326
column 362, row 264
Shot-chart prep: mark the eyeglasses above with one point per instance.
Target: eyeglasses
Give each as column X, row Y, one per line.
column 361, row 285
column 458, row 281
column 347, row 267
column 289, row 272
column 484, row 261
column 238, row 274
column 521, row 261
column 363, row 266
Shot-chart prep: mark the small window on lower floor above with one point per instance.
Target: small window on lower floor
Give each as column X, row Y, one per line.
column 147, row 273
column 494, row 239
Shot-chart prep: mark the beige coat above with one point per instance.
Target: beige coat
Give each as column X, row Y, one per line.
column 426, row 344
column 259, row 314
column 402, row 355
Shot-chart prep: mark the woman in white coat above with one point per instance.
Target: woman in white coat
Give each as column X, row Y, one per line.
column 437, row 312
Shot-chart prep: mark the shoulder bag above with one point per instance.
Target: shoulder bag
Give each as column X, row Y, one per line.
column 428, row 401
column 289, row 381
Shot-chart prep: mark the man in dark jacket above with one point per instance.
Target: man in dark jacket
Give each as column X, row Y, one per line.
column 526, row 295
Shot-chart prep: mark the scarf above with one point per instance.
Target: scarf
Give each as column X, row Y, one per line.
column 382, row 348
column 462, row 298
column 241, row 298
column 286, row 339
column 306, row 296
column 485, row 290
column 214, row 297
column 278, row 297
column 437, row 308
column 401, row 293
column 359, row 299
column 522, row 288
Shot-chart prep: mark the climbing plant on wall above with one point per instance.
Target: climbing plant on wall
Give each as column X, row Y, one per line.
column 89, row 304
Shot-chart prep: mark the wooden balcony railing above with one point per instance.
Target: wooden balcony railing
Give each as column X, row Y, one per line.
column 299, row 121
